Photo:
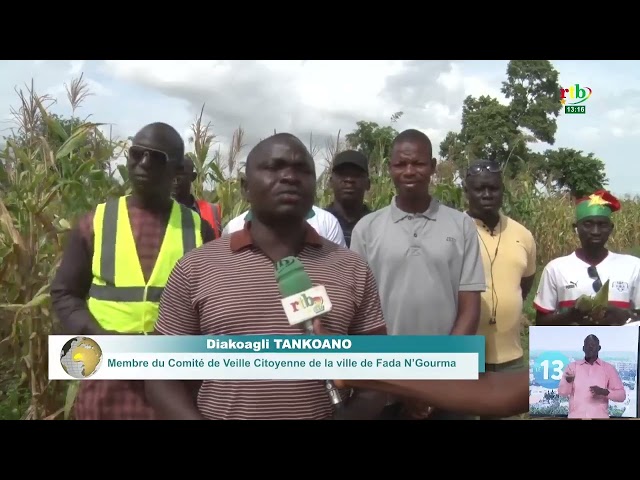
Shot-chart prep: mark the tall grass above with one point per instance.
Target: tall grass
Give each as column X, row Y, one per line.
column 51, row 172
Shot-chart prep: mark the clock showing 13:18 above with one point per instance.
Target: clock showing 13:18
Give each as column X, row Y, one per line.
column 549, row 368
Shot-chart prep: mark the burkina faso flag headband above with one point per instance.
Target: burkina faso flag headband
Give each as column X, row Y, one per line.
column 598, row 204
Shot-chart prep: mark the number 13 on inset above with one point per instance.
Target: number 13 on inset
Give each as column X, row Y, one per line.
column 549, row 368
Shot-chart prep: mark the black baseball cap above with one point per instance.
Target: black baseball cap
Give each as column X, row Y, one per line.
column 351, row 157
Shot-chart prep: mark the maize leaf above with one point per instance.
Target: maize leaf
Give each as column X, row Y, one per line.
column 602, row 297
column 584, row 303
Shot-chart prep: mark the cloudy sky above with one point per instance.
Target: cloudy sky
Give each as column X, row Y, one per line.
column 325, row 97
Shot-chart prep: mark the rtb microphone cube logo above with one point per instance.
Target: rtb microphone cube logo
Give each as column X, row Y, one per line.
column 316, row 303
column 306, row 305
column 573, row 97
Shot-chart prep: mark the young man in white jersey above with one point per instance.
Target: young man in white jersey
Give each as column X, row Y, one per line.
column 322, row 222
column 584, row 271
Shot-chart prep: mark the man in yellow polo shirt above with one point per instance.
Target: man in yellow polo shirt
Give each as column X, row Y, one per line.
column 509, row 256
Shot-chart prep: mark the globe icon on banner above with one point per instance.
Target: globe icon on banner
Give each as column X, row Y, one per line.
column 81, row 357
column 549, row 368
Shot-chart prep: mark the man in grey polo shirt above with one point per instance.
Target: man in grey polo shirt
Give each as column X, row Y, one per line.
column 425, row 257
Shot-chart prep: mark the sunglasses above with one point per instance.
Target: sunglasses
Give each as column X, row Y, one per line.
column 483, row 167
column 593, row 274
column 137, row 153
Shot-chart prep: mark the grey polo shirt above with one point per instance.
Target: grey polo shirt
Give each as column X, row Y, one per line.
column 420, row 262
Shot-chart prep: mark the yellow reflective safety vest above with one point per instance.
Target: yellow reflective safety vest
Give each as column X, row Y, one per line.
column 119, row 298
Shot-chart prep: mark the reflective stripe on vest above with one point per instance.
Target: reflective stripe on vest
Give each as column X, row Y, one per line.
column 119, row 298
column 212, row 214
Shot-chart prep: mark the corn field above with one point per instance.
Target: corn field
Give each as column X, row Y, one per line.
column 52, row 171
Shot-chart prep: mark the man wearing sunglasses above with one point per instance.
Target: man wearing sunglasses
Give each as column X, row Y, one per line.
column 116, row 287
column 210, row 212
column 508, row 252
column 584, row 271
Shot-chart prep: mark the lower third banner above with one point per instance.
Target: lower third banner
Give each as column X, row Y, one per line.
column 267, row 357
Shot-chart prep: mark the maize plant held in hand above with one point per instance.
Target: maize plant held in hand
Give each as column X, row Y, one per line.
column 594, row 308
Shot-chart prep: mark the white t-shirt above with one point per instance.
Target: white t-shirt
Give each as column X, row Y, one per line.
column 565, row 279
column 323, row 222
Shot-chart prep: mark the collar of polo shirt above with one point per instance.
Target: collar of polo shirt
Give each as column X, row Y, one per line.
column 430, row 214
column 242, row 238
column 502, row 223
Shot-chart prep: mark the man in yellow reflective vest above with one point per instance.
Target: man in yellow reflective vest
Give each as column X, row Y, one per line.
column 117, row 261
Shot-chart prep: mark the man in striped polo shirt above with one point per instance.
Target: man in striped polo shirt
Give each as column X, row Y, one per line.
column 243, row 297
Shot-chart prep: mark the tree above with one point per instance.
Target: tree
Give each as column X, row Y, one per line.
column 570, row 170
column 374, row 141
column 503, row 133
column 552, row 410
column 551, row 396
column 493, row 131
column 371, row 139
column 615, row 411
column 487, row 129
column 532, row 86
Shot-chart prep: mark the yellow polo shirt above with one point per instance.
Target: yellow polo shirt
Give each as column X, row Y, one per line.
column 515, row 259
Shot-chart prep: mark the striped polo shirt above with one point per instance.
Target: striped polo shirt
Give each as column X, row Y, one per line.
column 243, row 298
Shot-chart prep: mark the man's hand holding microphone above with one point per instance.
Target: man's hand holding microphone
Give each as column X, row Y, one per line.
column 296, row 287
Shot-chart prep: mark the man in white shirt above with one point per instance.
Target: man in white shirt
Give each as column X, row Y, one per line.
column 322, row 222
column 584, row 271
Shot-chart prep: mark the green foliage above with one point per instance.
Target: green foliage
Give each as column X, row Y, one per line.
column 14, row 400
column 534, row 93
column 487, row 129
column 371, row 139
column 53, row 169
column 375, row 142
column 571, row 170
column 503, row 133
column 635, row 251
column 555, row 409
column 52, row 173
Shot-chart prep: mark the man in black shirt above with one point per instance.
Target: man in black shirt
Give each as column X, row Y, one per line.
column 349, row 182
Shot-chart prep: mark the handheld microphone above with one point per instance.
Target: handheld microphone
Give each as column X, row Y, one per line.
column 302, row 302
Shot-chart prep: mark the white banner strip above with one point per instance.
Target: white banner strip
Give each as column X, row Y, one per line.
column 273, row 366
